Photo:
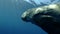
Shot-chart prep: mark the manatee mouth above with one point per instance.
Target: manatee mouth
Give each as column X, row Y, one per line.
column 44, row 19
column 41, row 19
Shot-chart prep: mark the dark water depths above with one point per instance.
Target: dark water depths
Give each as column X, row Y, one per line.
column 10, row 21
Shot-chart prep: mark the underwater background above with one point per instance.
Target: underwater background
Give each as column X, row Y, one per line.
column 10, row 16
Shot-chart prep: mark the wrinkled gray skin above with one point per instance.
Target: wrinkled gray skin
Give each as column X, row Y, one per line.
column 46, row 17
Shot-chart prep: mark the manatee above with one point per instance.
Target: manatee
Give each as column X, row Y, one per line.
column 47, row 17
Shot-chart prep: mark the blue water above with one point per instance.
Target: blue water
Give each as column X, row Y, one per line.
column 10, row 21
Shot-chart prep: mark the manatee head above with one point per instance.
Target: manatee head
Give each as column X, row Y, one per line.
column 47, row 17
column 46, row 13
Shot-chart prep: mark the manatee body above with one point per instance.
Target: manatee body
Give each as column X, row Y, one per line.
column 47, row 17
